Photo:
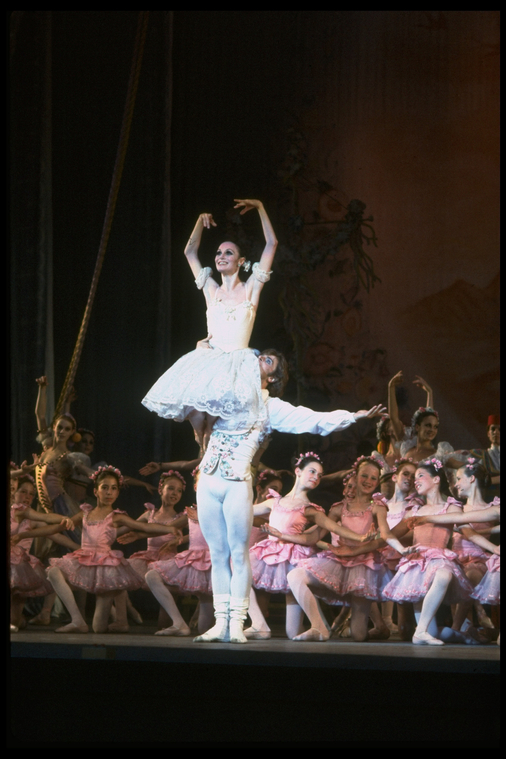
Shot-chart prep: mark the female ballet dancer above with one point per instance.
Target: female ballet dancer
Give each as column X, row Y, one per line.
column 267, row 480
column 188, row 572
column 221, row 377
column 27, row 575
column 288, row 542
column 95, row 567
column 356, row 581
column 432, row 574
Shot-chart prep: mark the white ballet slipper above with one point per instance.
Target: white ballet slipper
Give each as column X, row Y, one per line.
column 14, row 629
column 219, row 632
column 253, row 634
column 425, row 639
column 238, row 613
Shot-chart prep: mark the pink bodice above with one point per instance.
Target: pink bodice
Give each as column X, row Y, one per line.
column 197, row 540
column 99, row 535
column 358, row 521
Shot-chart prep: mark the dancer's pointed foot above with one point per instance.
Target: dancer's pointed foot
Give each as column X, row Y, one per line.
column 175, row 631
column 378, row 633
column 253, row 634
column 134, row 615
column 425, row 639
column 312, row 634
column 72, row 628
column 42, row 618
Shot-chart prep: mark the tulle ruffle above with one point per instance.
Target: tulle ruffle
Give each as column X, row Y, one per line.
column 488, row 590
column 27, row 574
column 98, row 571
column 340, row 579
column 416, row 572
column 221, row 384
column 190, row 571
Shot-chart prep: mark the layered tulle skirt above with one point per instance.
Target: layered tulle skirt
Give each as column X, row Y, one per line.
column 416, row 572
column 222, row 384
column 272, row 560
column 338, row 580
column 488, row 590
column 98, row 571
column 27, row 574
column 189, row 571
column 140, row 562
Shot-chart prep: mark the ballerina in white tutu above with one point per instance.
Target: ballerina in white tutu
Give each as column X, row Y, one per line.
column 221, row 378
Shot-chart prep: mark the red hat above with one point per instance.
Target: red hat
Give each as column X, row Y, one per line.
column 493, row 419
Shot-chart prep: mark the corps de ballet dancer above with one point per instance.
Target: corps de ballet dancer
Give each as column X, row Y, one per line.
column 221, row 377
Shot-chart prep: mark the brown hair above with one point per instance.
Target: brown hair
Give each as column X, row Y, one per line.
column 279, row 377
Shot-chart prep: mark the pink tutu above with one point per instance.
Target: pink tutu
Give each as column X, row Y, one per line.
column 95, row 567
column 141, row 560
column 364, row 576
column 488, row 591
column 27, row 574
column 271, row 560
column 190, row 570
column 416, row 572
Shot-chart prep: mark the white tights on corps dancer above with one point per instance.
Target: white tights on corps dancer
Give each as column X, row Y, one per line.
column 225, row 510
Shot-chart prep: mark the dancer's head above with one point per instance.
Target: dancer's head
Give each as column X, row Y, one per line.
column 64, row 429
column 268, row 480
column 171, row 487
column 404, row 475
column 87, row 442
column 430, row 478
column 368, row 472
column 308, row 470
column 425, row 424
column 384, row 433
column 494, row 429
column 25, row 490
column 228, row 259
column 350, row 485
column 108, row 481
column 273, row 371
column 470, row 477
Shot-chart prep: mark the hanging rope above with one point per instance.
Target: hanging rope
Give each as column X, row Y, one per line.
column 140, row 39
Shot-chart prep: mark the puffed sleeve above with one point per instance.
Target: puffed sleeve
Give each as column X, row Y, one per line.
column 203, row 276
column 260, row 274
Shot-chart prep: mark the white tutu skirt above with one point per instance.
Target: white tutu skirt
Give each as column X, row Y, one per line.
column 488, row 591
column 222, row 384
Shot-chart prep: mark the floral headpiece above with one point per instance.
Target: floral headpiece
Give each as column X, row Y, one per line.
column 107, row 470
column 431, row 462
column 246, row 265
column 347, row 477
column 423, row 410
column 166, row 475
column 307, row 455
column 470, row 463
column 362, row 459
column 13, row 465
column 27, row 477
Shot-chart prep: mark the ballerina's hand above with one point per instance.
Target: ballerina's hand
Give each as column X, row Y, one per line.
column 371, row 413
column 168, row 547
column 373, row 534
column 421, row 383
column 407, row 550
column 15, row 539
column 248, row 205
column 66, row 524
column 191, row 513
column 207, row 220
column 41, row 381
column 413, row 522
column 128, row 537
column 343, row 551
column 149, row 487
column 270, row 530
column 205, row 343
column 150, row 468
column 397, row 379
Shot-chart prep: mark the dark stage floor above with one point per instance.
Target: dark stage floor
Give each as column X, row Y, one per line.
column 139, row 688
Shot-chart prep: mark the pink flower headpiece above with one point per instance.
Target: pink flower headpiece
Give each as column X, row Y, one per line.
column 423, row 410
column 166, row 475
column 13, row 465
column 264, row 474
column 362, row 459
column 27, row 477
column 471, row 461
column 434, row 462
column 107, row 470
column 307, row 455
column 347, row 477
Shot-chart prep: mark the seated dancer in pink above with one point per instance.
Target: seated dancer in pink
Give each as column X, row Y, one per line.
column 432, row 574
column 171, row 488
column 488, row 589
column 274, row 557
column 95, row 567
column 355, row 581
column 27, row 574
column 224, row 493
column 188, row 572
